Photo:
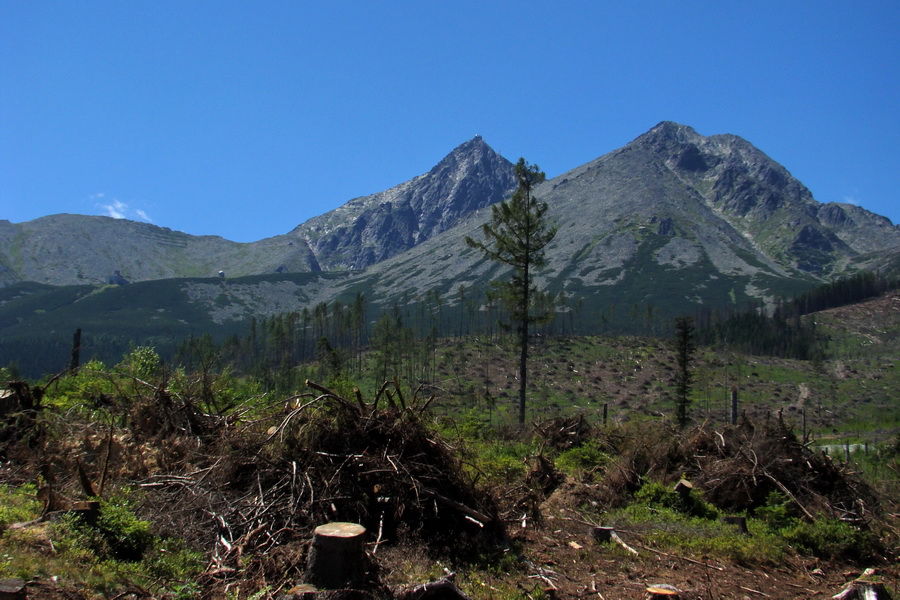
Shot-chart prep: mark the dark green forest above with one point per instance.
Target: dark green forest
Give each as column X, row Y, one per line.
column 355, row 337
column 784, row 333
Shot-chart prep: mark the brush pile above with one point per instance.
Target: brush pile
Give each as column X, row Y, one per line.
column 328, row 458
column 738, row 467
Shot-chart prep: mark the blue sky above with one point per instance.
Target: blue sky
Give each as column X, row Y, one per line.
column 244, row 119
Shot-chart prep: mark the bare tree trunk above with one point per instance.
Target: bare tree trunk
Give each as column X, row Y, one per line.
column 523, row 371
column 75, row 360
column 734, row 405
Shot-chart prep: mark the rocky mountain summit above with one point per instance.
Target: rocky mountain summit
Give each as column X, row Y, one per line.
column 715, row 198
column 672, row 222
column 761, row 200
column 76, row 249
column 370, row 229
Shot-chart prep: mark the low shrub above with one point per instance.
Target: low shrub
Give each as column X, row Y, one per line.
column 655, row 494
column 17, row 504
column 777, row 513
column 127, row 536
column 582, row 461
column 829, row 538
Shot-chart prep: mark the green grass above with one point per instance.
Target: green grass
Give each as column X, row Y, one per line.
column 108, row 556
column 19, row 504
column 688, row 526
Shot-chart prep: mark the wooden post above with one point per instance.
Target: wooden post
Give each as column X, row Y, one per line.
column 805, row 436
column 605, row 409
column 337, row 558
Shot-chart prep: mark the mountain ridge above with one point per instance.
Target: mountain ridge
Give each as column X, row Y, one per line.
column 673, row 218
column 73, row 249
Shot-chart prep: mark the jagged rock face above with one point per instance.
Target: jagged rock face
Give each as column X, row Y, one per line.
column 370, row 229
column 762, row 201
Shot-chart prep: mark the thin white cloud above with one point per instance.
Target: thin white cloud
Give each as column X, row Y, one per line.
column 116, row 210
column 120, row 210
column 851, row 200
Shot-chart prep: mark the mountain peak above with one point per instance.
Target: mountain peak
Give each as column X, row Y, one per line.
column 671, row 131
column 474, row 146
column 370, row 229
column 467, row 154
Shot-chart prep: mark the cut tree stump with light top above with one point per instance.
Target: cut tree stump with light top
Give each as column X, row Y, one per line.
column 337, row 556
column 662, row 592
column 861, row 589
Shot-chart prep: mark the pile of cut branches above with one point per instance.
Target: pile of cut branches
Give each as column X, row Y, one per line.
column 326, row 458
column 738, row 467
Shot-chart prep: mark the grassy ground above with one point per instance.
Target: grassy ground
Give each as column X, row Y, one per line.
column 172, row 470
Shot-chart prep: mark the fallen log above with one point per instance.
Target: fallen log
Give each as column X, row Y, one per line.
column 479, row 517
column 608, row 534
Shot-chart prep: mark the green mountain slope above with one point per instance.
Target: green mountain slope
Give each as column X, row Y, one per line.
column 76, row 249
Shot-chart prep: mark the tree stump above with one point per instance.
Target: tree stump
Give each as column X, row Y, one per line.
column 337, row 557
column 12, row 589
column 864, row 590
column 662, row 592
column 684, row 487
column 737, row 521
column 603, row 534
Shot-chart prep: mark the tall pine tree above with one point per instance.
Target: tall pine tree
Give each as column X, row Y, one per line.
column 516, row 236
